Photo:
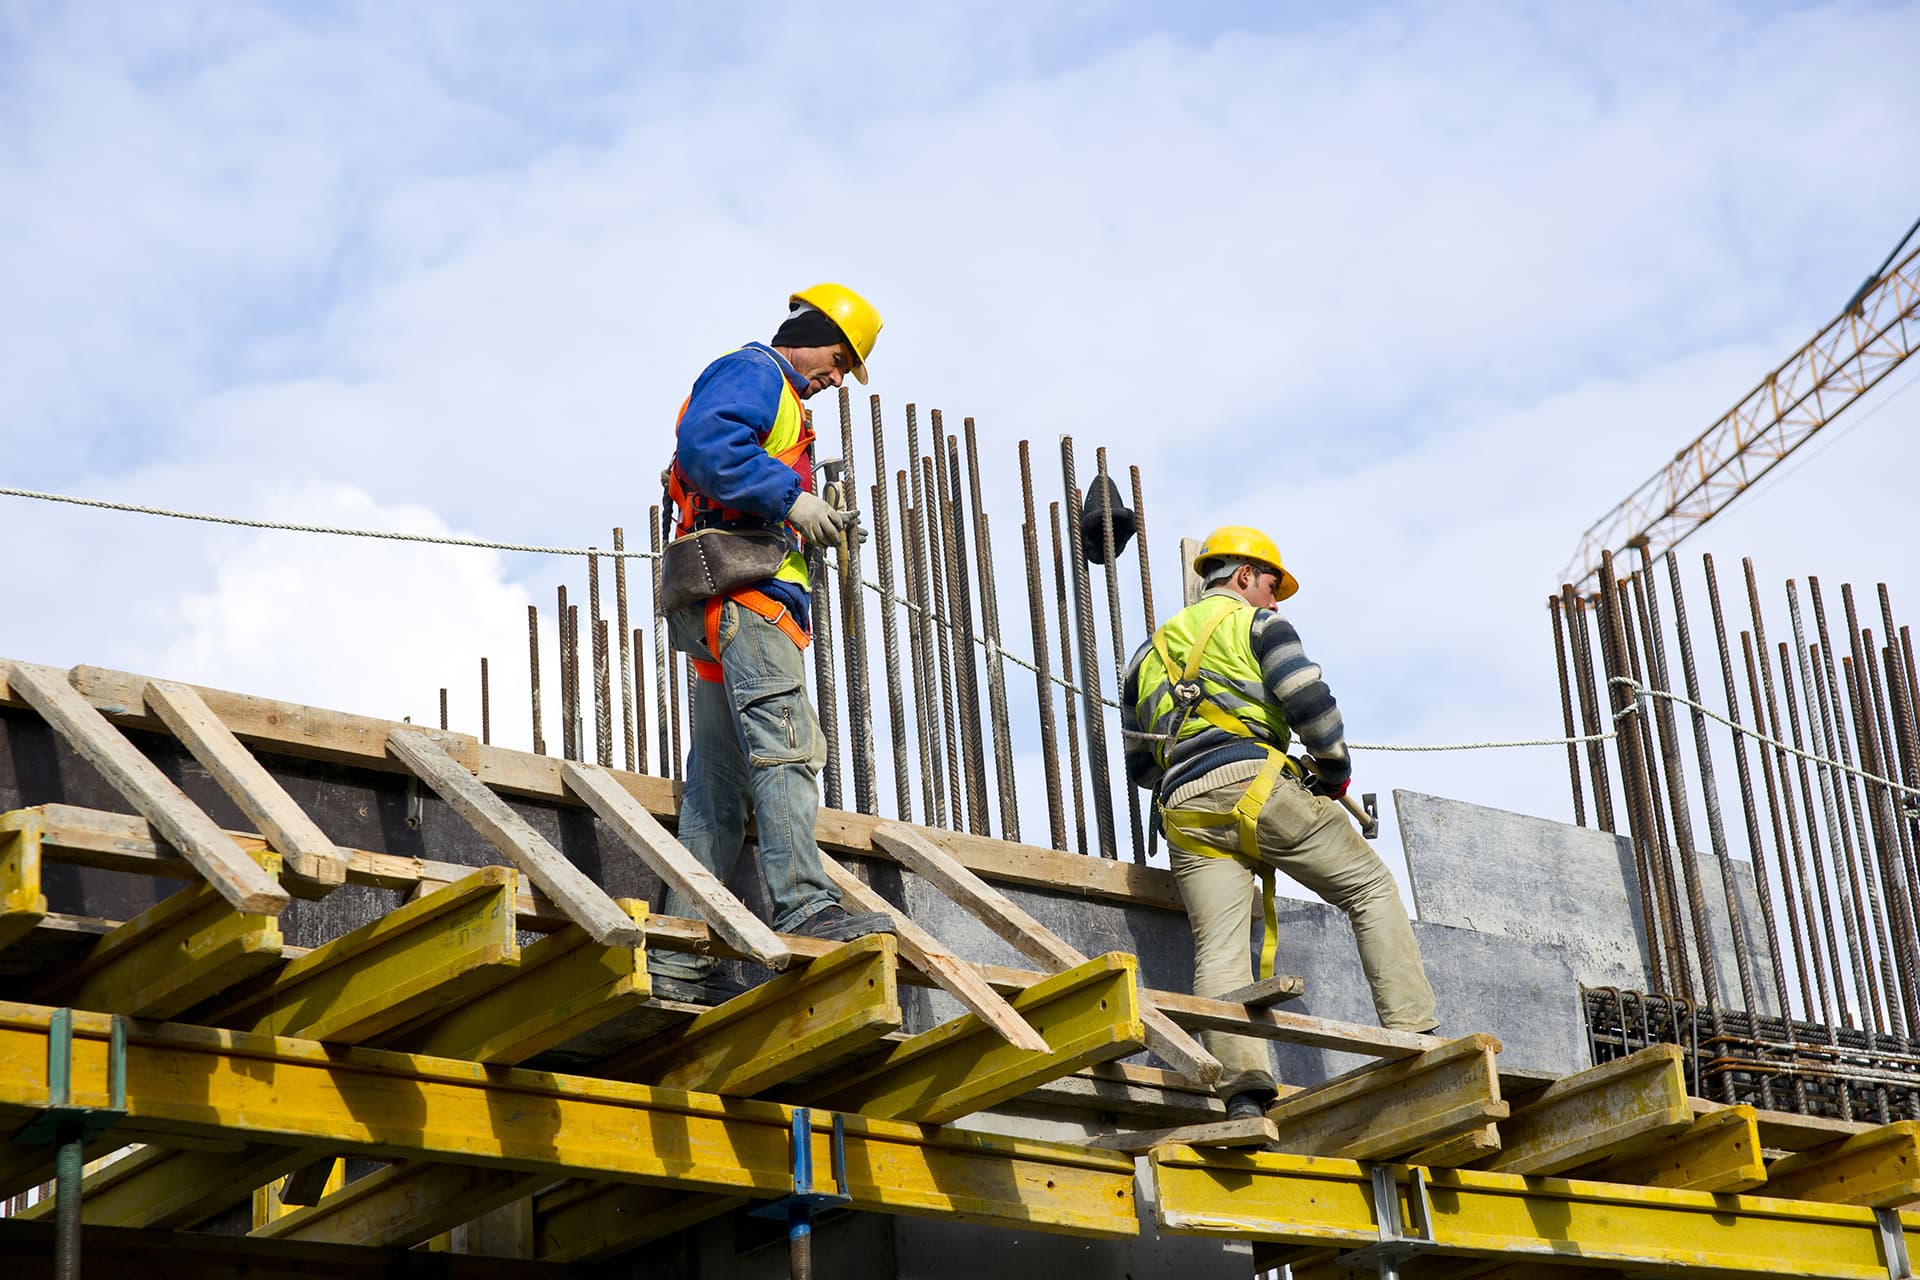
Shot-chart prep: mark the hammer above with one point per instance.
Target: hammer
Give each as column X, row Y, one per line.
column 1365, row 811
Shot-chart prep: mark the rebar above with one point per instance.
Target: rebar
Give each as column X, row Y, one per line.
column 1898, row 731
column 533, row 677
column 1666, row 889
column 1043, row 673
column 934, row 638
column 889, row 629
column 853, row 629
column 628, row 734
column 1566, row 713
column 1803, row 953
column 573, row 682
column 995, row 662
column 1899, row 927
column 443, row 707
column 823, row 675
column 1097, row 760
column 1627, row 746
column 1575, row 607
column 1116, row 633
column 566, row 677
column 663, row 675
column 1140, row 550
column 953, row 530
column 486, row 706
column 602, row 697
column 932, row 769
column 1066, row 673
column 941, row 633
column 639, row 704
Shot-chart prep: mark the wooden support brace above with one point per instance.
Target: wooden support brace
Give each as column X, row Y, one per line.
column 673, row 863
column 1388, row 1110
column 585, row 902
column 185, row 949
column 22, row 904
column 1267, row 992
column 802, row 1022
column 1087, row 1014
column 403, row 1204
column 1879, row 1169
column 1719, row 1151
column 1032, row 939
column 238, row 878
column 172, row 1187
column 1614, row 1109
column 930, row 956
column 1255, row 1132
column 589, row 1220
column 562, row 986
column 440, row 950
column 1198, row 1013
column 313, row 866
column 312, row 1180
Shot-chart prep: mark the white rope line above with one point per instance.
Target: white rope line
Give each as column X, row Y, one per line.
column 992, row 650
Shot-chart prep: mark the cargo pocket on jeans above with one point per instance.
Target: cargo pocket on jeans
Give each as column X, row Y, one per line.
column 775, row 721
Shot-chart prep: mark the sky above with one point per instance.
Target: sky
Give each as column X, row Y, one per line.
column 1423, row 290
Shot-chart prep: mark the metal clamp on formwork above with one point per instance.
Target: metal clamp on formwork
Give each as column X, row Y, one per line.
column 797, row 1208
column 1397, row 1242
column 72, row 1127
column 1893, row 1244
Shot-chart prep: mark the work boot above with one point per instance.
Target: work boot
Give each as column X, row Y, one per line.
column 1251, row 1105
column 710, row 990
column 833, row 923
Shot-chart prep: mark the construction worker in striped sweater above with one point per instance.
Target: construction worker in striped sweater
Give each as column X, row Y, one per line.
column 743, row 462
column 1211, row 702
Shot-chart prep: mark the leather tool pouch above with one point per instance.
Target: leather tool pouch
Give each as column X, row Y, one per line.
column 713, row 562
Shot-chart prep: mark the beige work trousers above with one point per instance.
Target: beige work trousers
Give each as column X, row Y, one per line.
column 1310, row 839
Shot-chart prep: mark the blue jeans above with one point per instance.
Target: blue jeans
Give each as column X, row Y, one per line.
column 756, row 748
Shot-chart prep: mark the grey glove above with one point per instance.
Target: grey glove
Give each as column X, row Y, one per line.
column 850, row 521
column 817, row 522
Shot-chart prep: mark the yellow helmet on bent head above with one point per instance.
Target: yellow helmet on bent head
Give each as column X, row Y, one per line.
column 1243, row 542
column 858, row 321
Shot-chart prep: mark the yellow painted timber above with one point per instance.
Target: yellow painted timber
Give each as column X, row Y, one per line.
column 431, row 953
column 1389, row 1110
column 1315, row 1201
column 802, row 1021
column 199, row 1082
column 403, row 1204
column 185, row 949
column 564, row 984
column 1610, row 1110
column 1879, row 1168
column 1090, row 1013
column 1720, row 1151
column 1468, row 1148
column 167, row 1187
column 585, row 1221
column 22, row 904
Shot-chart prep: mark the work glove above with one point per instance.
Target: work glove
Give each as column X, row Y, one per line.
column 850, row 522
column 1332, row 786
column 817, row 522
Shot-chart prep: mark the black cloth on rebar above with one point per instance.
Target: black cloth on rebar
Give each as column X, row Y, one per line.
column 1103, row 495
column 808, row 327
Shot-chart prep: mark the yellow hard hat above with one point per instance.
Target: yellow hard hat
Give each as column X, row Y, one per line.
column 857, row 319
column 1243, row 542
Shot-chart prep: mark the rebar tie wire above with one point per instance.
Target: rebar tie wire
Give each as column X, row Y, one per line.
column 992, row 649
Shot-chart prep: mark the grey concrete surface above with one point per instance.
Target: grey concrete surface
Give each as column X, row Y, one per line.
column 1573, row 888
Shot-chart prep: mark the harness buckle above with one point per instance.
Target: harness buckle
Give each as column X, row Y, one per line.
column 1188, row 693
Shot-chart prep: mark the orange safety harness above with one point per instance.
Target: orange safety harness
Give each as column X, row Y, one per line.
column 761, row 603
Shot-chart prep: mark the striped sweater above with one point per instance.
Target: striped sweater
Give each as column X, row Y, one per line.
column 1293, row 684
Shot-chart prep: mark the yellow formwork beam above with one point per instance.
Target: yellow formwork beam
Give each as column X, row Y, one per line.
column 801, row 1021
column 198, row 1082
column 1086, row 1014
column 1316, row 1201
column 1879, row 1168
column 22, row 904
column 1615, row 1109
column 167, row 1187
column 403, row 1204
column 1720, row 1152
column 563, row 984
column 185, row 949
column 585, row 1221
column 435, row 951
column 1391, row 1109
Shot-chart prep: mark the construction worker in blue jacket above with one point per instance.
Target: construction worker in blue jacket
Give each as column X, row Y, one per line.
column 1211, row 703
column 743, row 460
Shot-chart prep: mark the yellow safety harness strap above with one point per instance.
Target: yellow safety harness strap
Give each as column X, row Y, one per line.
column 1245, row 815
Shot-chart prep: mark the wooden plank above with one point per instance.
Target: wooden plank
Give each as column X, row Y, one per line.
column 238, row 878
column 403, row 1204
column 1121, row 1089
column 172, row 1187
column 313, row 866
column 438, row 950
column 1609, row 1110
column 563, row 985
column 930, row 956
column 1879, row 1169
column 806, row 1019
column 1267, row 992
column 585, row 902
column 1201, row 1014
column 1087, row 1014
column 183, row 950
column 1391, row 1109
column 1719, row 1151
column 1256, row 1131
column 675, row 864
column 1463, row 1149
column 589, row 1221
column 22, row 905
column 1032, row 939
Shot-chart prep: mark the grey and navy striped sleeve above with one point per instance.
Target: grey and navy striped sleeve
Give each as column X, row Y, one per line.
column 1142, row 769
column 1293, row 682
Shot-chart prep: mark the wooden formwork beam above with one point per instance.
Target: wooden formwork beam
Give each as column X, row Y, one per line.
column 919, row 853
column 641, row 832
column 1611, row 1110
column 1879, row 1169
column 584, row 1221
column 1256, row 1131
column 1087, row 1014
column 805, row 1020
column 403, row 1204
column 185, row 949
column 238, row 878
column 22, row 904
column 1719, row 1151
column 585, row 902
column 1385, row 1111
column 172, row 1187
column 313, row 867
